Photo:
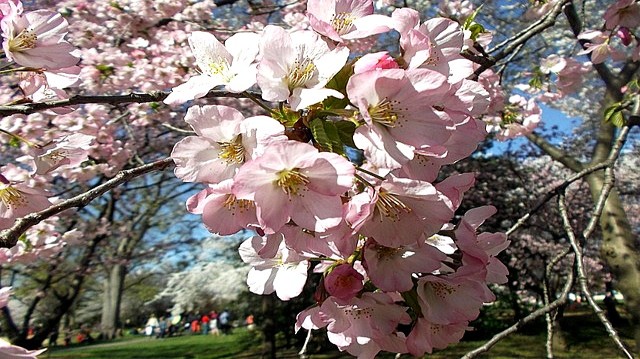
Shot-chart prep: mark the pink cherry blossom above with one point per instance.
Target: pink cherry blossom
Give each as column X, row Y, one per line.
column 405, row 210
column 518, row 118
column 426, row 336
column 7, row 350
column 36, row 39
column 293, row 181
column 221, row 212
column 230, row 65
column 597, row 48
column 284, row 273
column 337, row 242
column 569, row 71
column 342, row 20
column 69, row 151
column 455, row 299
column 391, row 269
column 296, row 67
column 343, row 282
column 484, row 246
column 17, row 200
column 10, row 8
column 375, row 61
column 398, row 117
column 622, row 13
column 459, row 10
column 539, row 8
column 625, row 35
column 224, row 141
column 359, row 321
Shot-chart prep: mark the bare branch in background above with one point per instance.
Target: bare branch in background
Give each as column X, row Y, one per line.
column 9, row 237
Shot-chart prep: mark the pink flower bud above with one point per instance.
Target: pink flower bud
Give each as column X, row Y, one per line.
column 375, row 61
column 343, row 282
column 625, row 35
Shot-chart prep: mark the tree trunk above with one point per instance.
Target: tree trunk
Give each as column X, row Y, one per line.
column 620, row 250
column 112, row 301
column 268, row 328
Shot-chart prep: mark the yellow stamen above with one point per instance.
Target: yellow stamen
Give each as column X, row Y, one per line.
column 238, row 205
column 385, row 113
column 301, row 72
column 291, row 181
column 24, row 41
column 232, row 152
column 12, row 197
column 390, row 206
column 342, row 22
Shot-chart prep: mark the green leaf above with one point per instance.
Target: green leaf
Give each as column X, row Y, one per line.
column 476, row 29
column 327, row 135
column 613, row 115
column 469, row 21
column 346, row 129
column 339, row 83
column 14, row 142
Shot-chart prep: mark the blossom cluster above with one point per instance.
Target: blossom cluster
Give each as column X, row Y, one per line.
column 344, row 173
column 35, row 41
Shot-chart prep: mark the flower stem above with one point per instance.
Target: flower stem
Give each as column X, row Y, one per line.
column 20, row 138
column 258, row 102
column 370, row 173
column 18, row 69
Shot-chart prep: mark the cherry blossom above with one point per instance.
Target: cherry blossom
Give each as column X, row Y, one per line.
column 426, row 336
column 622, row 13
column 343, row 282
column 225, row 141
column 297, row 66
column 18, row 199
column 598, row 46
column 12, row 351
column 398, row 117
column 342, row 20
column 371, row 318
column 284, row 272
column 70, row 151
column 36, row 39
column 5, row 293
column 375, row 61
column 391, row 269
column 221, row 211
column 294, row 181
column 230, row 65
column 518, row 118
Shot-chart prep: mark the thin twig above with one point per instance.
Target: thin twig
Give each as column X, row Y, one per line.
column 303, row 351
column 9, row 237
column 548, row 317
column 582, row 273
column 609, row 162
column 519, row 39
column 613, row 157
column 562, row 299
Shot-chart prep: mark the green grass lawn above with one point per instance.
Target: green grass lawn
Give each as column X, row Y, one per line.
column 582, row 335
column 236, row 345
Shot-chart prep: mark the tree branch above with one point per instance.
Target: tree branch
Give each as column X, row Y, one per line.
column 9, row 237
column 156, row 96
column 556, row 153
column 520, row 323
column 609, row 162
column 515, row 42
column 582, row 273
